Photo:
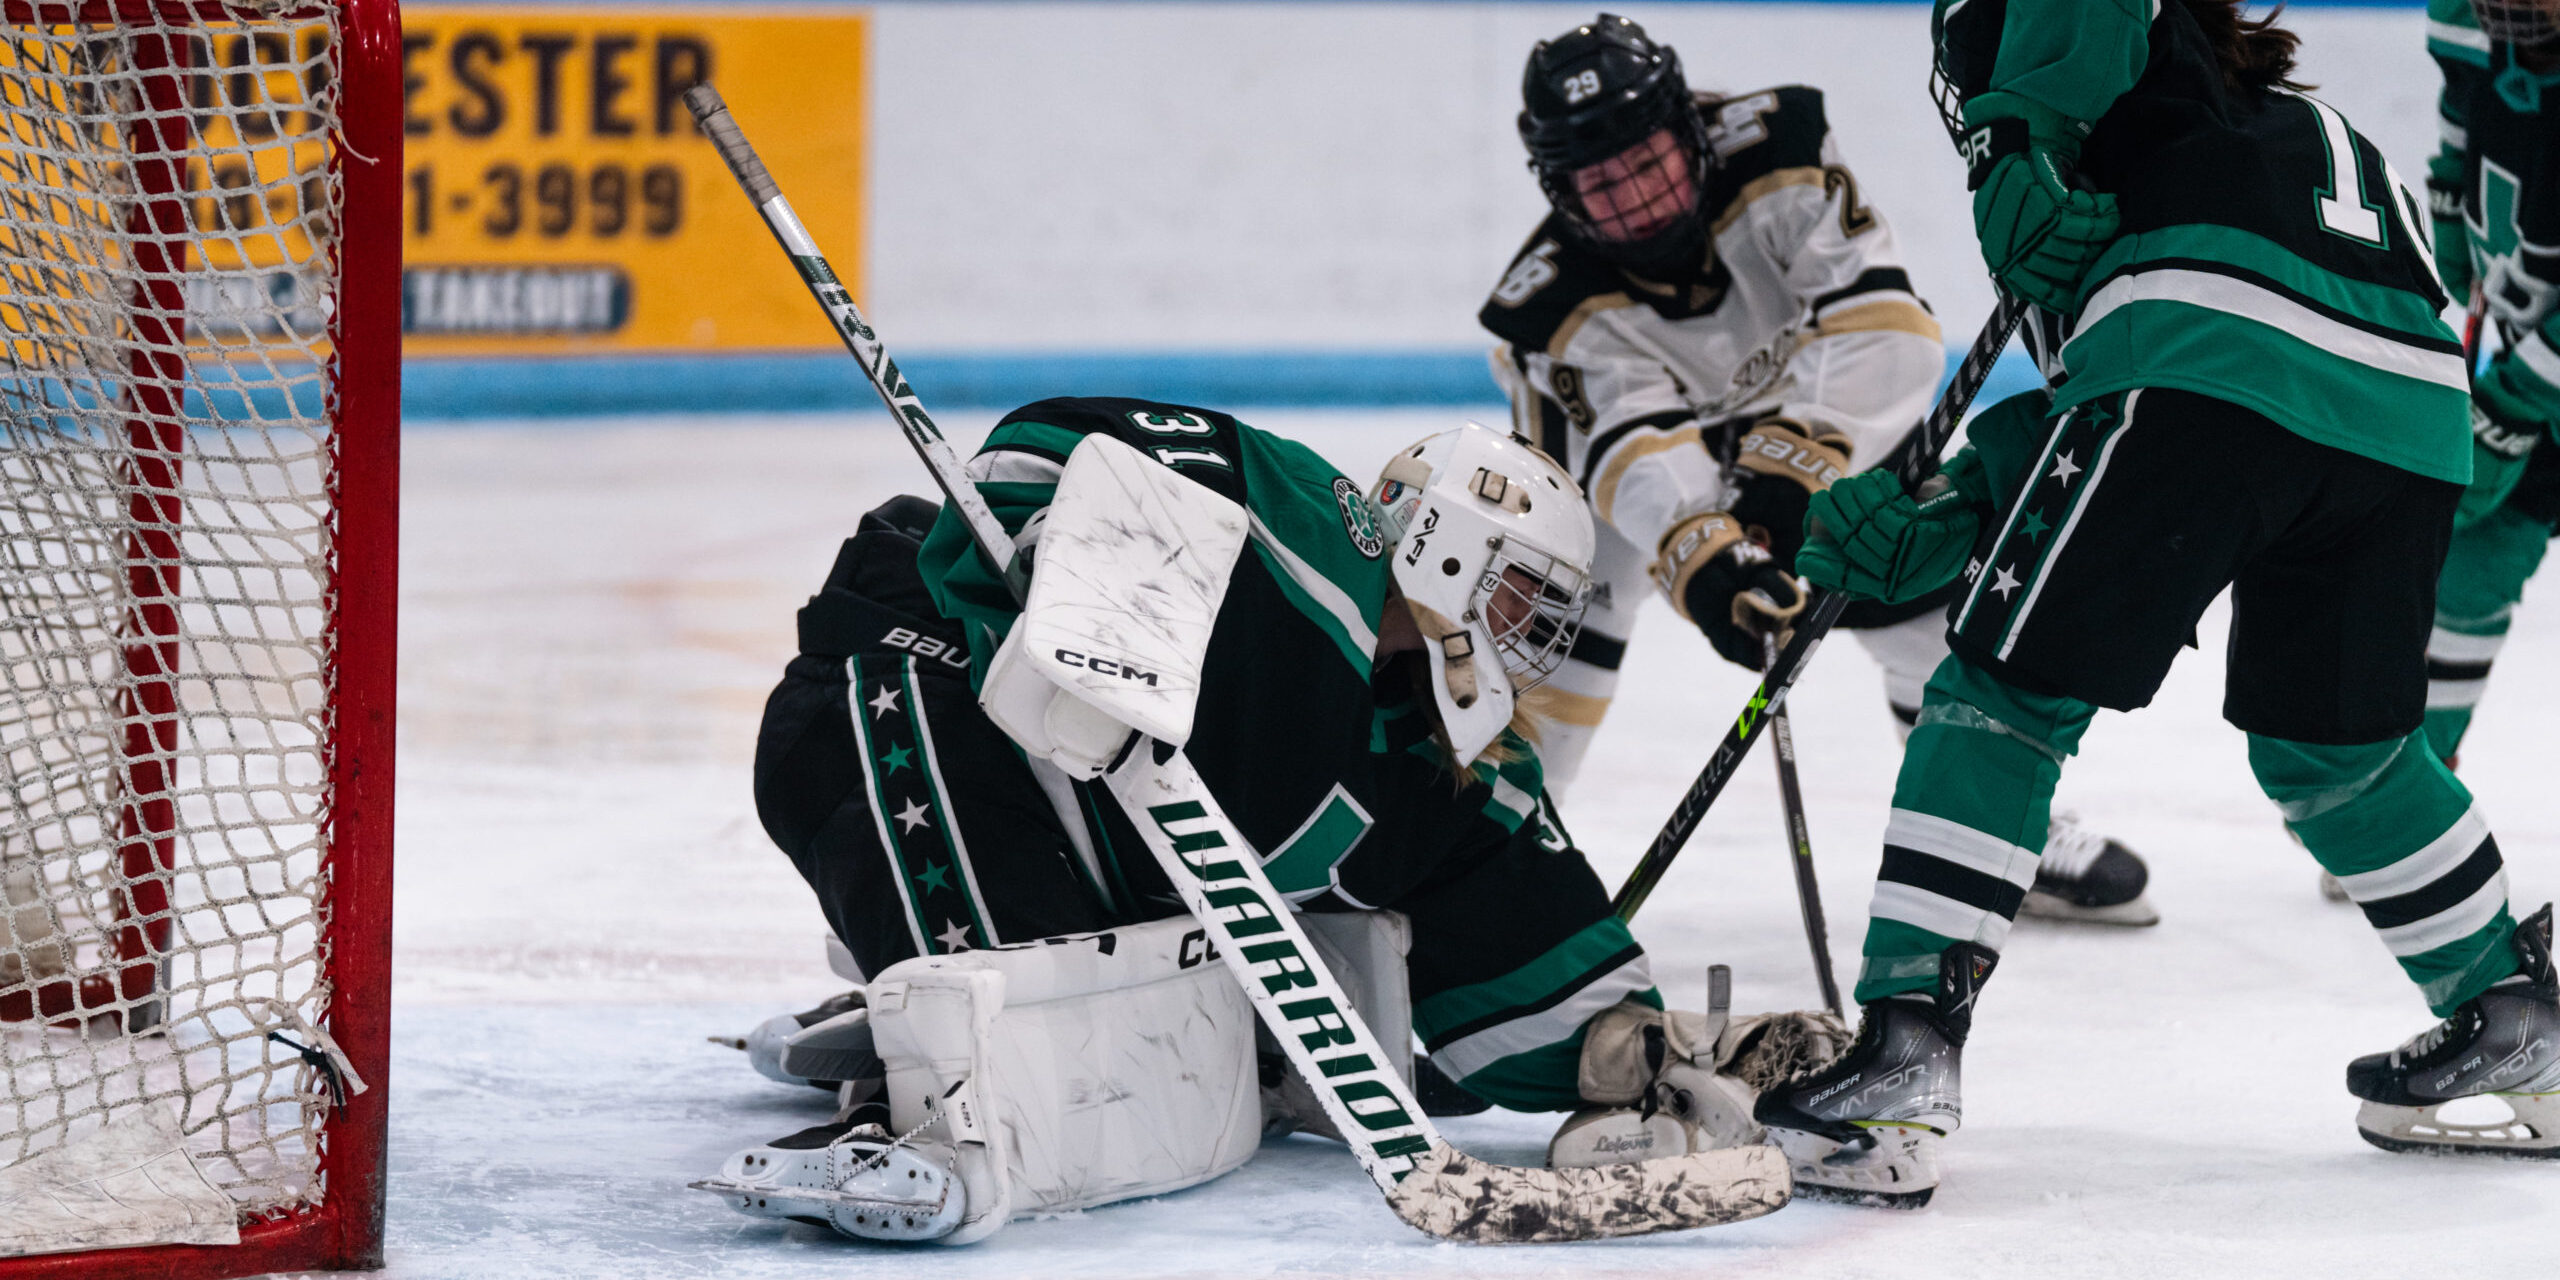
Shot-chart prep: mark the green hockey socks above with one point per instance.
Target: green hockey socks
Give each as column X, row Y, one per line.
column 1970, row 813
column 2484, row 575
column 2403, row 835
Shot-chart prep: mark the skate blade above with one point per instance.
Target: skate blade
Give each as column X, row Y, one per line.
column 2136, row 914
column 2532, row 1133
column 1896, row 1167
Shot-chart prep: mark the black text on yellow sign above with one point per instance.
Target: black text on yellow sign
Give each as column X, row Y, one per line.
column 561, row 200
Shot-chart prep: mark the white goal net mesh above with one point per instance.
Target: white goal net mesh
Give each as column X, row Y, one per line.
column 168, row 205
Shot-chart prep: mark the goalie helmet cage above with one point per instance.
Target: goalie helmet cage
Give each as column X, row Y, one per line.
column 199, row 419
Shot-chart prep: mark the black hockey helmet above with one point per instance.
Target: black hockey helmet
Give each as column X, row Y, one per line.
column 1591, row 95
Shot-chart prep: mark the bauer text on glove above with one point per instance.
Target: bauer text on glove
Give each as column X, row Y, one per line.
column 1727, row 584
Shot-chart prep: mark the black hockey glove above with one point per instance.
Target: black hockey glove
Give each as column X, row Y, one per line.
column 1778, row 465
column 1727, row 584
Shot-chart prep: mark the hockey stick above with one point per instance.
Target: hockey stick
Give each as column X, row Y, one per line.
column 1913, row 459
column 1817, row 933
column 1428, row 1183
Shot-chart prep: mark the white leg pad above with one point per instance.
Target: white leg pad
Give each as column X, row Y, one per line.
column 1113, row 1065
column 1366, row 950
column 933, row 1023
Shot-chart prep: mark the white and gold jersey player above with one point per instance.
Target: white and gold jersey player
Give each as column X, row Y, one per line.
column 1712, row 324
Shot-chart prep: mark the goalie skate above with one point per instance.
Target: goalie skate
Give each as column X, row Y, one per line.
column 2502, row 1046
column 853, row 1178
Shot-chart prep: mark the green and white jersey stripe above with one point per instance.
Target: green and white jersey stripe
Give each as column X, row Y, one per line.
column 2224, row 312
column 2268, row 256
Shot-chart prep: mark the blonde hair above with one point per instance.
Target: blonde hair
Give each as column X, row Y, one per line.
column 1531, row 710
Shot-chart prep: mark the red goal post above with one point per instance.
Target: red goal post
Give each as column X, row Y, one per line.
column 199, row 482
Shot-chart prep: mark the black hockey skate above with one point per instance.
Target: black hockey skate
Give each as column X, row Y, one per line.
column 2088, row 877
column 2503, row 1043
column 1865, row 1130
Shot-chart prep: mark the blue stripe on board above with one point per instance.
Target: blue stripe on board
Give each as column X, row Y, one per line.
column 548, row 388
column 212, row 391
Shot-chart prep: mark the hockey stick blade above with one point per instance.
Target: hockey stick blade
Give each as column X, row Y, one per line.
column 1457, row 1196
column 1434, row 1187
column 1913, row 459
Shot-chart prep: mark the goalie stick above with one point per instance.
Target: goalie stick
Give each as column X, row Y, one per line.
column 1914, row 459
column 1428, row 1183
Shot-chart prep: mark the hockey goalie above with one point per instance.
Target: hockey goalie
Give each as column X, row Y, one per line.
column 1040, row 1027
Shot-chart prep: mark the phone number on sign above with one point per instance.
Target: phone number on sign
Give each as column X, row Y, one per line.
column 605, row 201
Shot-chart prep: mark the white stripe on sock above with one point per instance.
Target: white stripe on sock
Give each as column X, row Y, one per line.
column 2424, row 866
column 1962, row 845
column 2455, row 695
column 2452, row 924
column 2456, row 646
column 1938, row 914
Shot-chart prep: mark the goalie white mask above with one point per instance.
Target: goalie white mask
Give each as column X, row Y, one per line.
column 1493, row 547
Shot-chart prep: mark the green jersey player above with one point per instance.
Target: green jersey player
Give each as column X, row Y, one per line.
column 2494, row 190
column 2252, row 389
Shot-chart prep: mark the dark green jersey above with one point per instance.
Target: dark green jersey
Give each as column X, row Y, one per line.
column 2499, row 163
column 2269, row 257
column 1316, row 753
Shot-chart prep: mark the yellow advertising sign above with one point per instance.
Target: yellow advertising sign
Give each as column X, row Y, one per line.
column 560, row 200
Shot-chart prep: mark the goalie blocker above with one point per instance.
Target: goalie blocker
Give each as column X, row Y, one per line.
column 930, row 835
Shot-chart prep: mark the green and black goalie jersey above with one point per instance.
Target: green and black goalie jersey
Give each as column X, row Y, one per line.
column 2498, row 166
column 1325, row 762
column 2269, row 257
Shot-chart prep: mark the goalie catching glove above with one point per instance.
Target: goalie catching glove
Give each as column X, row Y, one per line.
column 1727, row 571
column 1670, row 1082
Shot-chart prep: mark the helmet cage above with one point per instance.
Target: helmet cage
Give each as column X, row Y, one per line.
column 1679, row 241
column 1494, row 544
column 1531, row 602
column 2525, row 23
column 1592, row 95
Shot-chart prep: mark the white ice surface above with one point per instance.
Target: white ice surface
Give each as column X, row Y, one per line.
column 593, row 614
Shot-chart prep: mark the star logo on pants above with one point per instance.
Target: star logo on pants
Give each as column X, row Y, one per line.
column 885, row 702
column 954, row 938
column 2064, row 468
column 913, row 817
column 937, row 876
column 898, row 758
column 2004, row 583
